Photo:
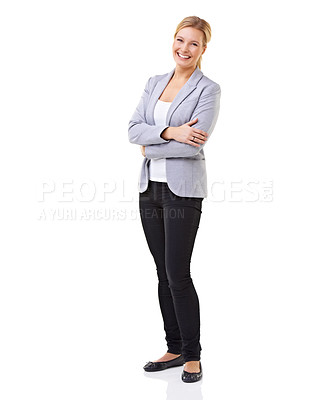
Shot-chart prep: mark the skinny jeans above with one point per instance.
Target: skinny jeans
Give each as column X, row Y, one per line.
column 170, row 225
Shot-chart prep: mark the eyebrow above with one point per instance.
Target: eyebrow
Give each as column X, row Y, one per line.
column 190, row 40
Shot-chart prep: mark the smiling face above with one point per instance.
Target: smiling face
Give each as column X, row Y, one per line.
column 187, row 47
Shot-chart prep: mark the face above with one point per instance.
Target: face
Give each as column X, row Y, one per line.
column 188, row 43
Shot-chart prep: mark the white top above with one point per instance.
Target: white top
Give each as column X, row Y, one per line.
column 157, row 166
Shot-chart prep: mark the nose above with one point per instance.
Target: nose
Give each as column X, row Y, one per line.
column 184, row 47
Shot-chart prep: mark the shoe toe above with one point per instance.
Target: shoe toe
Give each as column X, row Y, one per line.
column 159, row 366
column 154, row 366
column 149, row 365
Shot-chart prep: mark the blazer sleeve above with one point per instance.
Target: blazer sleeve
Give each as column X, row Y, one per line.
column 207, row 110
column 139, row 132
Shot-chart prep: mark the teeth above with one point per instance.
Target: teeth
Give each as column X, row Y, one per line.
column 183, row 56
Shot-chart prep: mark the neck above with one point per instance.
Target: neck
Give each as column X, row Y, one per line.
column 183, row 74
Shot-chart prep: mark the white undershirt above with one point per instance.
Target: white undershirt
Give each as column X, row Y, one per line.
column 157, row 166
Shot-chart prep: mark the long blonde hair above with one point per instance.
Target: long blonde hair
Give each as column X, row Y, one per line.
column 198, row 23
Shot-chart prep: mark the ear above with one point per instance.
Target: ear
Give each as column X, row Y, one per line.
column 204, row 50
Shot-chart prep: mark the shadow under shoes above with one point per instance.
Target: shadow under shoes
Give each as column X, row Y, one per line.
column 161, row 365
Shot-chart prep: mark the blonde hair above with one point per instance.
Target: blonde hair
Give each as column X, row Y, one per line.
column 198, row 23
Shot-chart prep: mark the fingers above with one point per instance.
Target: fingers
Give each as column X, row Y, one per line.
column 193, row 143
column 199, row 131
column 198, row 137
column 192, row 122
column 199, row 140
column 201, row 134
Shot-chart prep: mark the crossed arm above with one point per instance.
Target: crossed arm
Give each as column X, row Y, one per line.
column 207, row 110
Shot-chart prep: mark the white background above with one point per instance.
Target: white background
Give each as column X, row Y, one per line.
column 78, row 295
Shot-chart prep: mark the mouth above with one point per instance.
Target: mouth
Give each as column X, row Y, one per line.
column 183, row 57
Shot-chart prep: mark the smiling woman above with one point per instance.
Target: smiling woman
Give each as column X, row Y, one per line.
column 196, row 39
column 172, row 122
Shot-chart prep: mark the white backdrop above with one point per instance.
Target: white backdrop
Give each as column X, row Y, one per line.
column 78, row 289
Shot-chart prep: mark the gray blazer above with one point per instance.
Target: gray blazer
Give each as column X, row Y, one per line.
column 185, row 164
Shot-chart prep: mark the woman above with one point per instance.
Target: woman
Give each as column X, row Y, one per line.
column 172, row 122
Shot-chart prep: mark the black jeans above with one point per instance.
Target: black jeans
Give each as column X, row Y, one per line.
column 170, row 224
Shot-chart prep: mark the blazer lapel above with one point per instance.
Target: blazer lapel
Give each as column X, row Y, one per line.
column 188, row 87
column 158, row 89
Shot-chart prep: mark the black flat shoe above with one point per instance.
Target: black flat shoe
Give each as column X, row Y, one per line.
column 192, row 376
column 161, row 365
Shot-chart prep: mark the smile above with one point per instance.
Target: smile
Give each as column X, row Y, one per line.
column 181, row 56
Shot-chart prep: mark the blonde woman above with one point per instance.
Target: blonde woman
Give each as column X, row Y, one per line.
column 172, row 122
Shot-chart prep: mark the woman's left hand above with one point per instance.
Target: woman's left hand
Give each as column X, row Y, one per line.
column 143, row 150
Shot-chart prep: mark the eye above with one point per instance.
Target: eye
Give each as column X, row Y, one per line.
column 179, row 39
column 194, row 44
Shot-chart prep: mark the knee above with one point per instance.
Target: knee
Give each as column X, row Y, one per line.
column 178, row 284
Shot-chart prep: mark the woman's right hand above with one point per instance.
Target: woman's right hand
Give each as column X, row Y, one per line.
column 186, row 134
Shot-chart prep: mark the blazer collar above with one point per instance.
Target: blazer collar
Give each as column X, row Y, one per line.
column 188, row 87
